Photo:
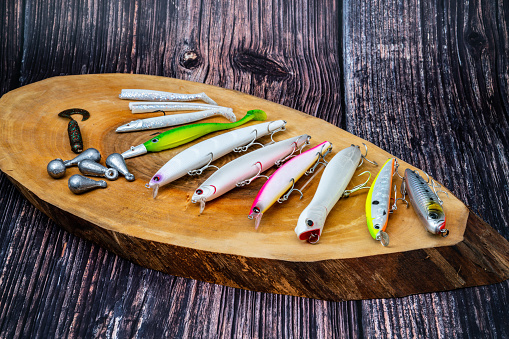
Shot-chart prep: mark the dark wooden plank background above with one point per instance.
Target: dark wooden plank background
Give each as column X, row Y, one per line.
column 428, row 81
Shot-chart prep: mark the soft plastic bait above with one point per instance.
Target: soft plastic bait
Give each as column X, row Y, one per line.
column 284, row 178
column 331, row 188
column 425, row 202
column 175, row 119
column 73, row 129
column 195, row 159
column 150, row 95
column 184, row 134
column 150, row 107
column 242, row 171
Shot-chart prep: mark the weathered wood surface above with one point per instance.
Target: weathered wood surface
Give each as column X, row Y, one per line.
column 426, row 81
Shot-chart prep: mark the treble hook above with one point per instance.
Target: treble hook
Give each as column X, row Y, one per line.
column 249, row 144
column 321, row 159
column 279, row 129
column 291, row 155
column 434, row 185
column 73, row 129
column 364, row 157
column 347, row 193
column 285, row 197
column 403, row 193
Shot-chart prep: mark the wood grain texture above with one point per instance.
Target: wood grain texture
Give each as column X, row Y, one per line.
column 79, row 290
column 428, row 81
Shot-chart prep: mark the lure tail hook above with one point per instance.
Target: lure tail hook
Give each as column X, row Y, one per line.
column 364, row 157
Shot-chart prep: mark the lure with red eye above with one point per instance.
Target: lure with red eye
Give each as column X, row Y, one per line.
column 242, row 171
column 284, row 178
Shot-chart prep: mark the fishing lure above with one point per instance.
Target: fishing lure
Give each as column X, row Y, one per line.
column 184, row 134
column 73, row 129
column 176, row 119
column 242, row 171
column 195, row 159
column 150, row 107
column 284, row 178
column 336, row 176
column 149, row 95
column 378, row 202
column 425, row 202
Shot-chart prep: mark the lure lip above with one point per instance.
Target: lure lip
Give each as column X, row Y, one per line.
column 134, row 151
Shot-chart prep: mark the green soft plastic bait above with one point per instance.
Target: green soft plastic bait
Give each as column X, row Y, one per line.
column 184, row 134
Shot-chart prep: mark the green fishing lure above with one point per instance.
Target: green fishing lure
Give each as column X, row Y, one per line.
column 184, row 134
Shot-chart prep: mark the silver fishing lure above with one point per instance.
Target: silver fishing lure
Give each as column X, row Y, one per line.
column 150, row 95
column 149, row 107
column 175, row 119
column 425, row 201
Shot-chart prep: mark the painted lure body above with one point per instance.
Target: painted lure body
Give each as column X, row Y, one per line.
column 284, row 178
column 425, row 202
column 378, row 202
column 184, row 134
column 198, row 157
column 243, row 170
column 331, row 188
column 150, row 95
column 175, row 119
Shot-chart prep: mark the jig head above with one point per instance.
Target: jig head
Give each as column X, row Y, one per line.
column 73, row 128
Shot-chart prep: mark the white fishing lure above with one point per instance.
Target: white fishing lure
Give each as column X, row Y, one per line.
column 242, row 171
column 195, row 159
column 284, row 179
column 175, row 119
column 150, row 107
column 150, row 95
column 331, row 188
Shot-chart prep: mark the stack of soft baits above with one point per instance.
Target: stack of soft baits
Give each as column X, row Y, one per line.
column 88, row 164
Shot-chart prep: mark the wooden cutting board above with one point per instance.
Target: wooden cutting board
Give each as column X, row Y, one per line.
column 221, row 245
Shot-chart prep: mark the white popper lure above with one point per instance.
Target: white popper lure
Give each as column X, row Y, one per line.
column 378, row 202
column 331, row 188
column 242, row 171
column 175, row 119
column 284, row 178
column 150, row 107
column 150, row 95
column 195, row 159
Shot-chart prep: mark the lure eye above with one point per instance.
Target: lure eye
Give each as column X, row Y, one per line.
column 256, row 210
column 156, row 178
column 377, row 226
column 199, row 192
column 155, row 140
column 376, row 202
column 310, row 223
column 433, row 215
